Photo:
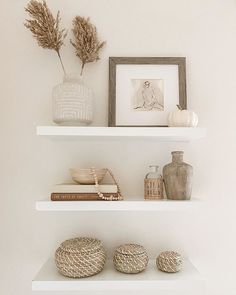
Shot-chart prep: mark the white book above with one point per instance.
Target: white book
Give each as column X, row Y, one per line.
column 84, row 188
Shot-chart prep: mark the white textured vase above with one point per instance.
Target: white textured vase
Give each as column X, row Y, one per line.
column 72, row 102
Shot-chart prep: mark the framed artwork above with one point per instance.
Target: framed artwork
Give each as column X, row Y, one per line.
column 144, row 90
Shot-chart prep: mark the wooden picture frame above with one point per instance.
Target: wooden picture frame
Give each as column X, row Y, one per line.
column 160, row 62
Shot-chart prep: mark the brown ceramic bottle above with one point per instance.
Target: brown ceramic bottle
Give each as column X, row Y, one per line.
column 178, row 178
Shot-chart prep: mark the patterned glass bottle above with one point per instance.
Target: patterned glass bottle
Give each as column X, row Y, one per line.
column 72, row 102
column 153, row 184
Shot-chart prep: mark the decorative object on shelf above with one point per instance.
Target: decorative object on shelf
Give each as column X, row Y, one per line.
column 178, row 178
column 85, row 176
column 130, row 258
column 90, row 176
column 153, row 185
column 72, row 99
column 112, row 197
column 137, row 96
column 45, row 27
column 169, row 261
column 80, row 257
column 84, row 188
column 72, row 102
column 84, row 197
column 86, row 43
column 78, row 192
column 182, row 118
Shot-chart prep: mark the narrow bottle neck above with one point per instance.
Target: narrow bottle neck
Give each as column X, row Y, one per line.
column 153, row 169
column 177, row 157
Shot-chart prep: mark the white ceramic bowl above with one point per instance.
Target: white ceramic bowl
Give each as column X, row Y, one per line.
column 84, row 176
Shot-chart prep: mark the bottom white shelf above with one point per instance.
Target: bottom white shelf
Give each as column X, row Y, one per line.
column 49, row 279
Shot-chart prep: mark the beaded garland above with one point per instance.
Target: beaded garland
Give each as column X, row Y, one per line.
column 111, row 197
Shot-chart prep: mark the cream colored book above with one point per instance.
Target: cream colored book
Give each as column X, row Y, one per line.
column 83, row 188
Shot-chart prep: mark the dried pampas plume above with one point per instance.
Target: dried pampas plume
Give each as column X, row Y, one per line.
column 86, row 42
column 45, row 27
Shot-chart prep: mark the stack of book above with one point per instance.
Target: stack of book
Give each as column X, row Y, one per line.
column 82, row 192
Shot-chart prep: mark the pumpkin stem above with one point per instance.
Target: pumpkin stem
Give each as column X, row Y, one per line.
column 179, row 107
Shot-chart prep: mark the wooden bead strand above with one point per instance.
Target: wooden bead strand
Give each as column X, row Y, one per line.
column 111, row 197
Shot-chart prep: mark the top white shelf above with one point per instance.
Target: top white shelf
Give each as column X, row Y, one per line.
column 159, row 133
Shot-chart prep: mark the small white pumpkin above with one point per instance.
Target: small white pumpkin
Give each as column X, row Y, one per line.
column 182, row 118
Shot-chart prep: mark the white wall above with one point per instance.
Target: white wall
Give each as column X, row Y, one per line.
column 202, row 30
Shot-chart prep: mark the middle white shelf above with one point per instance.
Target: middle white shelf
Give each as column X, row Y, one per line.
column 125, row 205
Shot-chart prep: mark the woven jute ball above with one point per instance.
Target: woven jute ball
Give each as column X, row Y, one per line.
column 130, row 258
column 80, row 257
column 169, row 261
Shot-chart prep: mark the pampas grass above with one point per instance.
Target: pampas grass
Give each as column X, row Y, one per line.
column 86, row 42
column 45, row 27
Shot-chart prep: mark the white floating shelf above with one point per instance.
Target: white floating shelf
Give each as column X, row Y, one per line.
column 159, row 133
column 49, row 279
column 130, row 205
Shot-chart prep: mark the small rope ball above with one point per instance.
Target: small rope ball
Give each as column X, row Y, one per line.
column 130, row 258
column 169, row 261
